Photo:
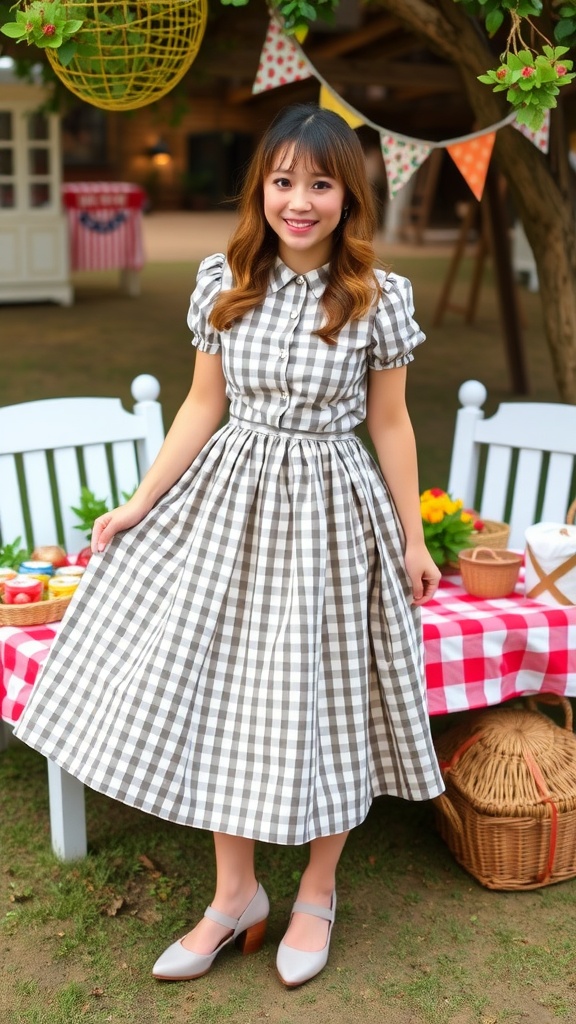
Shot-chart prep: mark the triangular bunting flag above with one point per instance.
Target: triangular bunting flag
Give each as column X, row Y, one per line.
column 472, row 159
column 401, row 159
column 329, row 101
column 281, row 61
column 541, row 137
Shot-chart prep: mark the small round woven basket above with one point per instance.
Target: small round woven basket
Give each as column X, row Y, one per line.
column 130, row 54
column 487, row 572
column 494, row 535
column 38, row 613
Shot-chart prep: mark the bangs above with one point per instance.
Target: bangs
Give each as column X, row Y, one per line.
column 314, row 153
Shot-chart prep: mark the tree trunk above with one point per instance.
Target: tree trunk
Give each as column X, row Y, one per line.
column 544, row 207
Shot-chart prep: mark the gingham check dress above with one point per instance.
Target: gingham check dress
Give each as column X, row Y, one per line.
column 246, row 659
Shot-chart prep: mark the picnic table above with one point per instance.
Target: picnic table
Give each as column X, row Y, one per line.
column 477, row 652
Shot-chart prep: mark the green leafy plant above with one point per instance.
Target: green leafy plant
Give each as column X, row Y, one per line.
column 12, row 554
column 531, row 81
column 88, row 510
column 447, row 526
column 45, row 24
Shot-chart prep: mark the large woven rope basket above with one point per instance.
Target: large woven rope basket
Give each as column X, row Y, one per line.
column 509, row 811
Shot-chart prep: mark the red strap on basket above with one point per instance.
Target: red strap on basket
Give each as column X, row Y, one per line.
column 546, row 799
column 446, row 766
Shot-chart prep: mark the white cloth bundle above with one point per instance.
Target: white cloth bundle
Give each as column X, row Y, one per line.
column 551, row 563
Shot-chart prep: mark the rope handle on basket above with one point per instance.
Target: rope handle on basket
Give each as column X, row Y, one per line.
column 556, row 701
column 499, row 556
column 546, row 799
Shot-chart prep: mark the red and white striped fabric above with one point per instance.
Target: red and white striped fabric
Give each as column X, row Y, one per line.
column 478, row 653
column 104, row 224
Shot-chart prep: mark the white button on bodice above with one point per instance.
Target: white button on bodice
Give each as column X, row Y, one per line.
column 293, row 314
column 300, row 280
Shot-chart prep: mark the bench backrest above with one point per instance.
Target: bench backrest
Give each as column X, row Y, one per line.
column 50, row 449
column 518, row 466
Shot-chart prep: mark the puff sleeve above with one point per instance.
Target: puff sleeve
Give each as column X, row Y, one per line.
column 208, row 285
column 395, row 333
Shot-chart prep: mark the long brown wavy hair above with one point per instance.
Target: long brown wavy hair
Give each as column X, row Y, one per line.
column 328, row 146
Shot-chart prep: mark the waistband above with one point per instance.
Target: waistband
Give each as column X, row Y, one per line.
column 312, row 435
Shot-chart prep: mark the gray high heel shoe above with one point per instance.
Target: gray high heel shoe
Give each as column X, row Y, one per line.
column 179, row 964
column 295, row 966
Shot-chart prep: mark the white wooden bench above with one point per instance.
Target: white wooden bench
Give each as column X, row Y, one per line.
column 517, row 466
column 49, row 449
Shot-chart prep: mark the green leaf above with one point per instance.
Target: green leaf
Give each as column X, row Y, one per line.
column 13, row 31
column 494, row 21
column 67, row 52
column 565, row 29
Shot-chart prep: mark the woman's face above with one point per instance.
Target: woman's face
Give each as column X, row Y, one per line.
column 303, row 207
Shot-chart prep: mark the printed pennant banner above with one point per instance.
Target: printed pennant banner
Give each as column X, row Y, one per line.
column 401, row 160
column 472, row 159
column 281, row 61
column 329, row 101
column 541, row 137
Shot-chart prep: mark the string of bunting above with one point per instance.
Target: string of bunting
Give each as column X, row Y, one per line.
column 282, row 61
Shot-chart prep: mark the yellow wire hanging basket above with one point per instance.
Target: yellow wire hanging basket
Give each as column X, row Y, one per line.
column 129, row 54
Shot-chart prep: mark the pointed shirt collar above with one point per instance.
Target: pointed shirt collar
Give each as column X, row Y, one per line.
column 281, row 275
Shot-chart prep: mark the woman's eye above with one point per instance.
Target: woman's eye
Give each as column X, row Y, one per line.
column 282, row 182
column 321, row 184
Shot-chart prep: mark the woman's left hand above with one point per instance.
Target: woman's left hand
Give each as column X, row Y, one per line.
column 423, row 572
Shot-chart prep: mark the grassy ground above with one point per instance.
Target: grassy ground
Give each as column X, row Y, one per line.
column 417, row 940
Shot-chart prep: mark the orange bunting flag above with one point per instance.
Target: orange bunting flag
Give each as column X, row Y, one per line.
column 281, row 61
column 472, row 158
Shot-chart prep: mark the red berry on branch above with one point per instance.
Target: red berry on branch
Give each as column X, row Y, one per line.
column 501, row 73
column 48, row 30
column 528, row 72
column 560, row 70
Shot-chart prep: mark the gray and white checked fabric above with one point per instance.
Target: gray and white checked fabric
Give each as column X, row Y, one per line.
column 246, row 659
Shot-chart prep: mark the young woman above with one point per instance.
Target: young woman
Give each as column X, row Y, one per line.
column 244, row 655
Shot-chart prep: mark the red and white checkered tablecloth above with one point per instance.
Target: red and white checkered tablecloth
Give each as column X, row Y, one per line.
column 104, row 224
column 478, row 653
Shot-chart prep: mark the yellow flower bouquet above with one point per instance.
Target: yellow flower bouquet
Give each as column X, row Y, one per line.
column 448, row 526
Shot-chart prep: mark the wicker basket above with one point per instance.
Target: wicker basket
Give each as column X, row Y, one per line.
column 488, row 573
column 509, row 811
column 36, row 614
column 494, row 535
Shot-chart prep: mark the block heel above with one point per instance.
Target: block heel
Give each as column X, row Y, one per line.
column 252, row 939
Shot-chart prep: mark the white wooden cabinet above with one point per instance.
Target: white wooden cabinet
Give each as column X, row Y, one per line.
column 34, row 259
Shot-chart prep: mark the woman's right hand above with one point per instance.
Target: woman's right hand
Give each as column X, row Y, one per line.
column 111, row 523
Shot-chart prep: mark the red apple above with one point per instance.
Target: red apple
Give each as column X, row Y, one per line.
column 50, row 553
column 84, row 556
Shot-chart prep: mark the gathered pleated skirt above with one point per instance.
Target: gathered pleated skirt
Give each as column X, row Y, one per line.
column 246, row 659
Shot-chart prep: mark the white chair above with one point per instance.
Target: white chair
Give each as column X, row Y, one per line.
column 49, row 449
column 518, row 466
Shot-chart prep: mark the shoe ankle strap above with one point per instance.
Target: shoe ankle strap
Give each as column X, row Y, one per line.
column 326, row 913
column 223, row 919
